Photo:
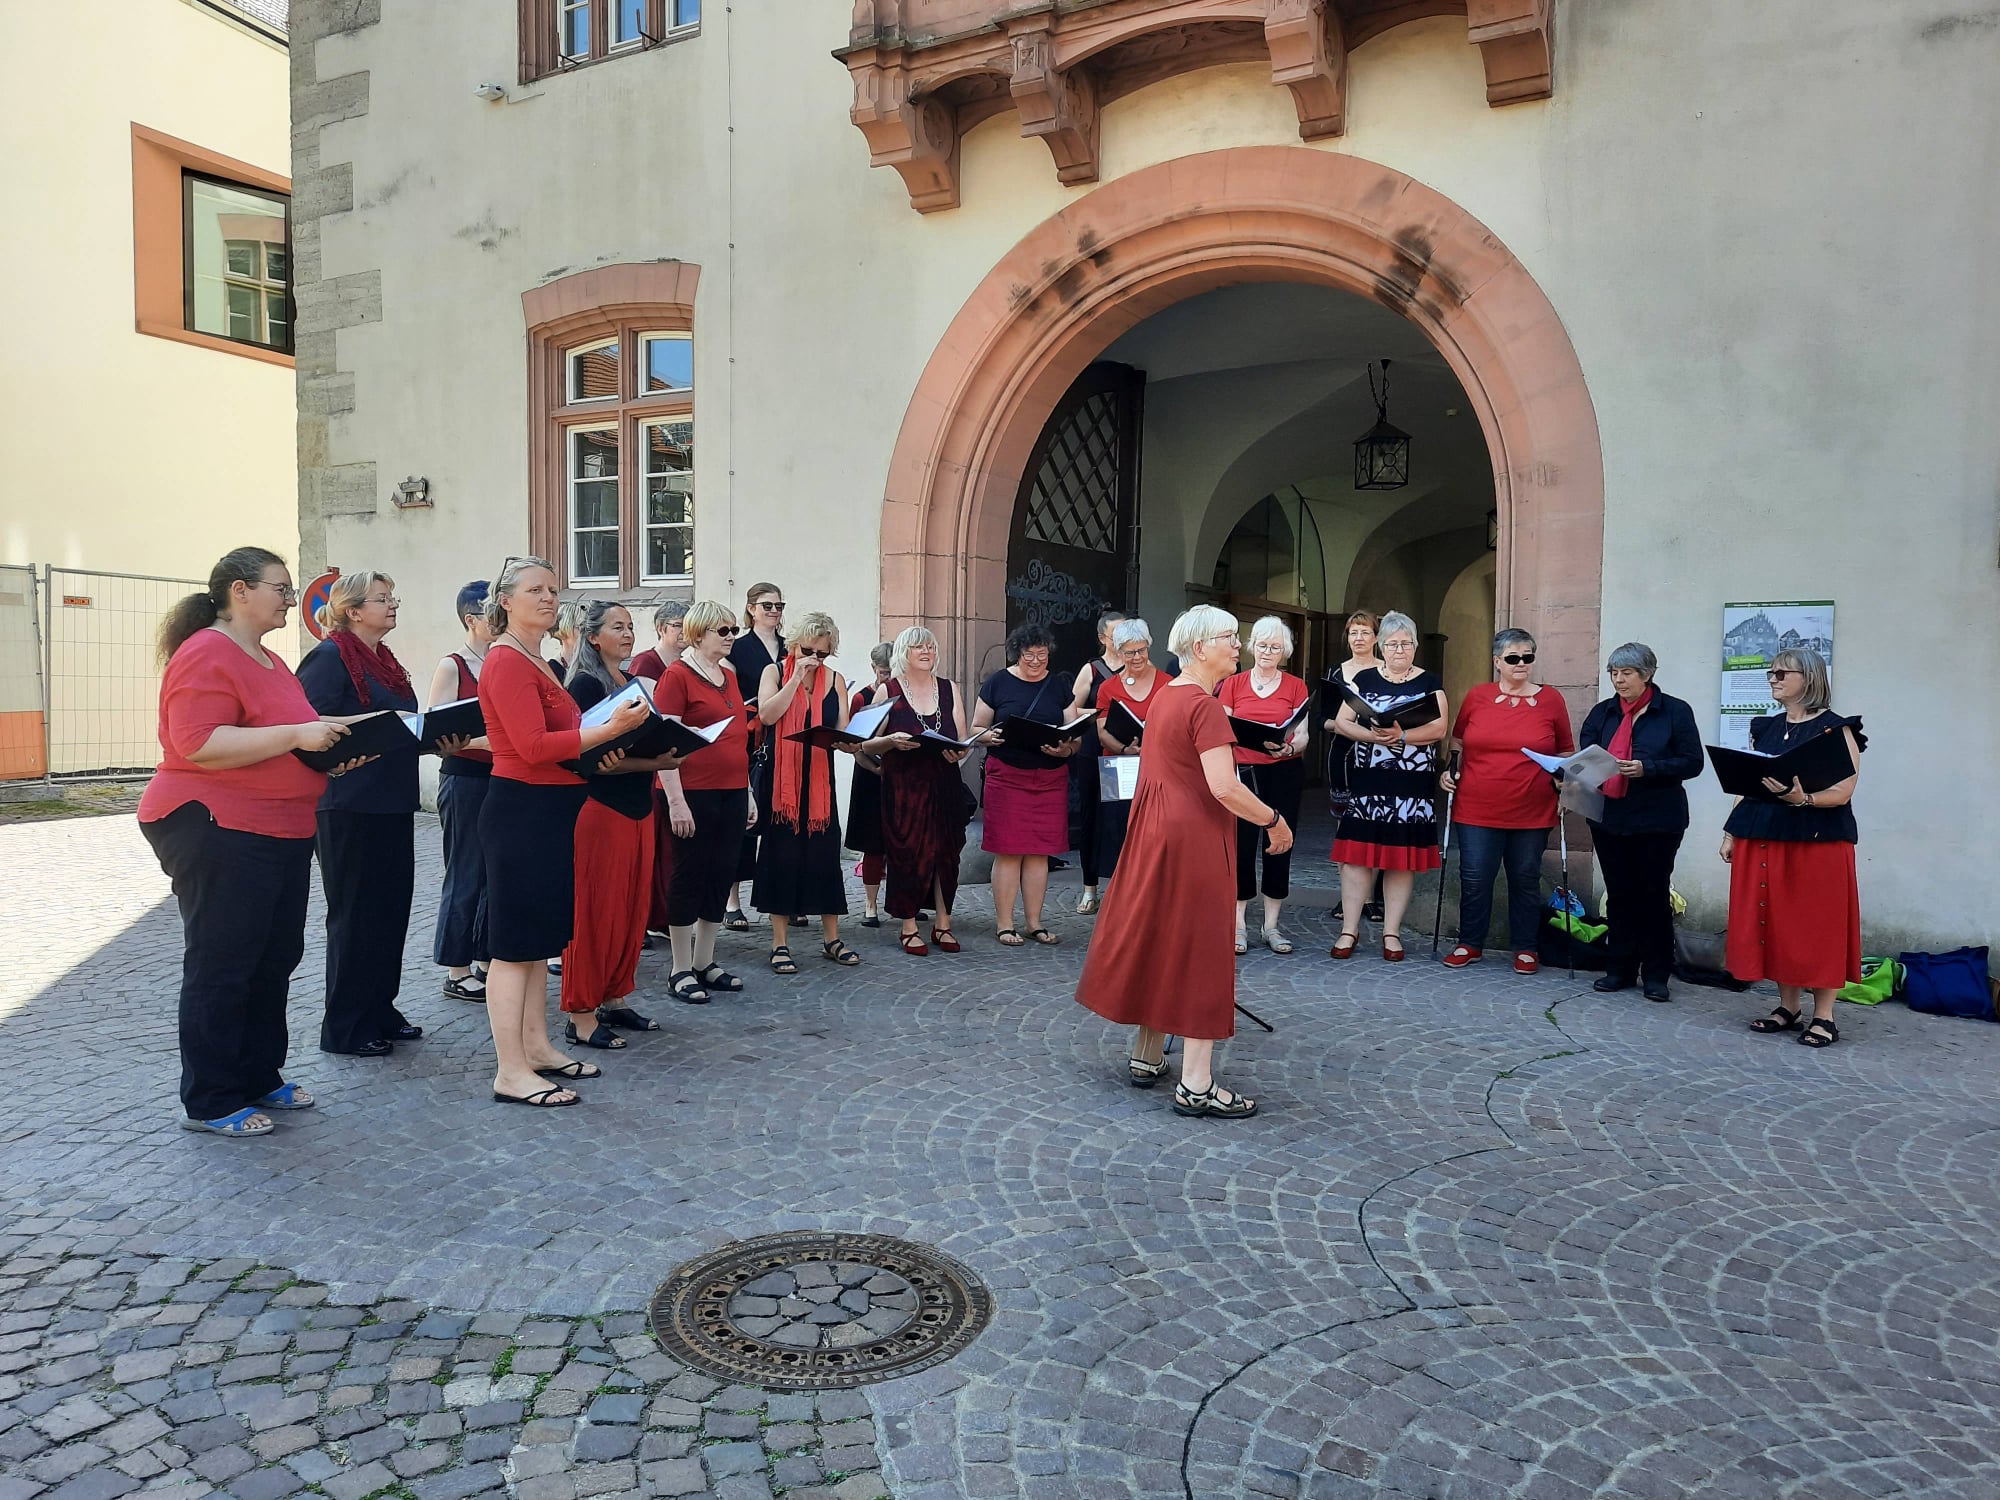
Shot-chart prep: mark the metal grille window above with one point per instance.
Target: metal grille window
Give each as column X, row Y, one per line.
column 667, row 546
column 1074, row 502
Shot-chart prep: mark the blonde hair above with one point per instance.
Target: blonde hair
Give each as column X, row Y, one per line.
column 703, row 616
column 1196, row 626
column 504, row 585
column 810, row 626
column 1811, row 665
column 1272, row 628
column 349, row 591
column 569, row 619
column 909, row 640
column 750, row 598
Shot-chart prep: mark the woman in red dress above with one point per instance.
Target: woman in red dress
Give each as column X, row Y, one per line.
column 1161, row 960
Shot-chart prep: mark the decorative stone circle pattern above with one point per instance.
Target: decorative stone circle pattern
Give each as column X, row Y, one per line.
column 819, row 1311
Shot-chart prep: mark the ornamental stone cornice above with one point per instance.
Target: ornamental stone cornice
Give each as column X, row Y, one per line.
column 927, row 71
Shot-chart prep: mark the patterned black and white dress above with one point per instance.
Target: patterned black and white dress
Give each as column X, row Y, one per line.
column 1392, row 821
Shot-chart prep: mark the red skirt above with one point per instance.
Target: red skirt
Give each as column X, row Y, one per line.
column 1027, row 809
column 1385, row 856
column 663, row 862
column 1794, row 913
column 614, row 881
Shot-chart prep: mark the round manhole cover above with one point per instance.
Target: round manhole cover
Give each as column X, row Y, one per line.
column 818, row 1311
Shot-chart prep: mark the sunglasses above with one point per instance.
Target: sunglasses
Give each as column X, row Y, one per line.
column 726, row 631
column 1519, row 658
column 776, row 609
column 815, row 655
column 1779, row 674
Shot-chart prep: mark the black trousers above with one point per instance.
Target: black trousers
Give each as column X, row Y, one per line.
column 243, row 919
column 1084, row 773
column 706, row 864
column 1282, row 786
column 368, row 865
column 1638, row 875
column 460, row 941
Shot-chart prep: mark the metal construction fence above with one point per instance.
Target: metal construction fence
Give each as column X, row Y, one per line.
column 79, row 682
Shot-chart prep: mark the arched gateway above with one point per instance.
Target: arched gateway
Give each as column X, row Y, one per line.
column 1257, row 213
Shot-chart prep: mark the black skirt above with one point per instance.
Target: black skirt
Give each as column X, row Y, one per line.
column 798, row 872
column 864, row 812
column 528, row 837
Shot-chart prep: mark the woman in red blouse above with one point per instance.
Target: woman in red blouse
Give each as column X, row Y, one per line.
column 1132, row 685
column 1267, row 694
column 708, row 799
column 1503, row 804
column 527, row 829
column 230, row 813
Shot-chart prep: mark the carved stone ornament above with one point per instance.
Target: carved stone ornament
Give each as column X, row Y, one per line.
column 926, row 71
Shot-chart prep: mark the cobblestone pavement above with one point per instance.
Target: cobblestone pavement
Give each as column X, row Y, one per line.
column 1490, row 1237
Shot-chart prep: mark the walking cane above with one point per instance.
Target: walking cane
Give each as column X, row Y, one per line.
column 1569, row 921
column 1444, row 859
column 1257, row 1018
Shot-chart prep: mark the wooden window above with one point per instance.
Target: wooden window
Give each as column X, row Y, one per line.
column 558, row 35
column 612, row 396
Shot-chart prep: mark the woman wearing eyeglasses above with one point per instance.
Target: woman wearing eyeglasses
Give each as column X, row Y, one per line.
column 1653, row 737
column 798, row 855
column 367, row 822
column 1503, row 804
column 1794, row 910
column 759, row 646
column 1134, row 685
column 1026, row 786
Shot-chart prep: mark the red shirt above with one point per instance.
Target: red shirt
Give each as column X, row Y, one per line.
column 688, row 696
column 1237, row 697
column 531, row 723
column 1112, row 690
column 211, row 682
column 647, row 664
column 1498, row 786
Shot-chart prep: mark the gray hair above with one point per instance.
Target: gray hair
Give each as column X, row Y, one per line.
column 1395, row 622
column 878, row 656
column 504, row 586
column 1633, row 657
column 670, row 613
column 1819, row 685
column 906, row 642
column 1196, row 626
column 1271, row 628
column 1510, row 637
column 1130, row 632
column 589, row 661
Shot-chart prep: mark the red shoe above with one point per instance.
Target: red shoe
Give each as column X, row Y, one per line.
column 1460, row 956
column 943, row 941
column 1344, row 946
column 913, row 945
column 1527, row 963
column 1393, row 955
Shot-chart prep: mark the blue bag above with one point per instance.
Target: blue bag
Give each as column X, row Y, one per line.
column 1948, row 984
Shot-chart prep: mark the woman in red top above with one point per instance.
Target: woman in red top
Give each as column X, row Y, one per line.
column 1133, row 686
column 1159, row 957
column 230, row 813
column 1267, row 694
column 1503, row 804
column 708, row 800
column 528, row 829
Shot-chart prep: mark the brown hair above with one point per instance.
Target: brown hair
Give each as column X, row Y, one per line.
column 750, row 598
column 1365, row 617
column 199, row 611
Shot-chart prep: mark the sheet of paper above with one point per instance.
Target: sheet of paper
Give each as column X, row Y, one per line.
column 1118, row 777
column 865, row 723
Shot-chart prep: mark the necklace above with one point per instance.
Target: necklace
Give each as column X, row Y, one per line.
column 1264, row 687
column 522, row 647
column 1383, row 673
column 700, row 667
column 934, row 720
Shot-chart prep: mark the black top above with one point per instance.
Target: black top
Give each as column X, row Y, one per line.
column 1780, row 822
column 749, row 657
column 627, row 793
column 388, row 785
column 1667, row 743
column 1046, row 700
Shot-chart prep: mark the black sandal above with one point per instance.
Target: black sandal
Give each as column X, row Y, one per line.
column 1778, row 1020
column 604, row 1039
column 735, row 921
column 1819, row 1033
column 715, row 977
column 1216, row 1103
column 627, row 1019
column 839, row 953
column 540, row 1099
column 572, row 1070
column 1009, row 937
column 1043, row 936
column 1144, row 1075
column 462, row 989
column 686, row 988
column 781, row 961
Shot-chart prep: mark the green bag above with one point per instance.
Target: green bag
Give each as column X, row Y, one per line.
column 1880, row 979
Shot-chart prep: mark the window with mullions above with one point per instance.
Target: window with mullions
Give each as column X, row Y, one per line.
column 561, row 34
column 236, row 262
column 667, row 520
column 593, row 505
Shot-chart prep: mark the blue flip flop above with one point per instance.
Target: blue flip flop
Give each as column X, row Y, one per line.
column 236, row 1126
column 290, row 1096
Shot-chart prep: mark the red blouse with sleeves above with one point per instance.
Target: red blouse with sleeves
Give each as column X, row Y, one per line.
column 531, row 723
column 1238, row 697
column 724, row 765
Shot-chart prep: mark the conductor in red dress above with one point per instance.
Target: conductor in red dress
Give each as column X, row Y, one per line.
column 1162, row 957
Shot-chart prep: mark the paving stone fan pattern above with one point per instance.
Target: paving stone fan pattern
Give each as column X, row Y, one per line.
column 819, row 1312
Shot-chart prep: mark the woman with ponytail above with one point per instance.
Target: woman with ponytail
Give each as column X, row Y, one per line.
column 230, row 815
column 366, row 823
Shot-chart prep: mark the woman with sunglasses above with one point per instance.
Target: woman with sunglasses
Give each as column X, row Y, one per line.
column 1653, row 738
column 1503, row 804
column 758, row 646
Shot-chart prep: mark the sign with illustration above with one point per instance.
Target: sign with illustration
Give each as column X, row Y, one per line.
column 1751, row 635
column 312, row 596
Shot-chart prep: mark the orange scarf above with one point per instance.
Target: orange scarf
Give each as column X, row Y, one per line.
column 788, row 761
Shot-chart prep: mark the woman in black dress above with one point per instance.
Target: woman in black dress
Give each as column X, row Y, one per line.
column 798, row 857
column 758, row 646
column 864, row 798
column 1083, row 766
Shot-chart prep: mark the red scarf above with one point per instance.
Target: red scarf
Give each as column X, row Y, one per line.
column 364, row 662
column 1620, row 747
column 788, row 760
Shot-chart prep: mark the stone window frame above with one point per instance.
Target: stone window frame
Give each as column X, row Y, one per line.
column 630, row 303
column 541, row 51
column 160, row 165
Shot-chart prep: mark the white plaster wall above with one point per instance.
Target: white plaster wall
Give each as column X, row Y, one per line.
column 120, row 451
column 1768, row 229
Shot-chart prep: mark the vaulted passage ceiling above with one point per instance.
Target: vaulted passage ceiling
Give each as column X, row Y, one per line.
column 926, row 71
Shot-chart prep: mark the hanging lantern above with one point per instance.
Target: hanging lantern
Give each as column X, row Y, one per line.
column 1382, row 453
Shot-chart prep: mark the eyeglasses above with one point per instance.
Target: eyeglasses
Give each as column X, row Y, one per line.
column 1399, row 645
column 285, row 591
column 1032, row 659
column 389, row 599
column 777, row 608
column 1779, row 674
column 1226, row 636
column 725, row 631
column 1519, row 658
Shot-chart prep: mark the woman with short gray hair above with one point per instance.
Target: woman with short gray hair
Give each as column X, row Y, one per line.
column 1267, row 694
column 1653, row 738
column 1133, row 686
